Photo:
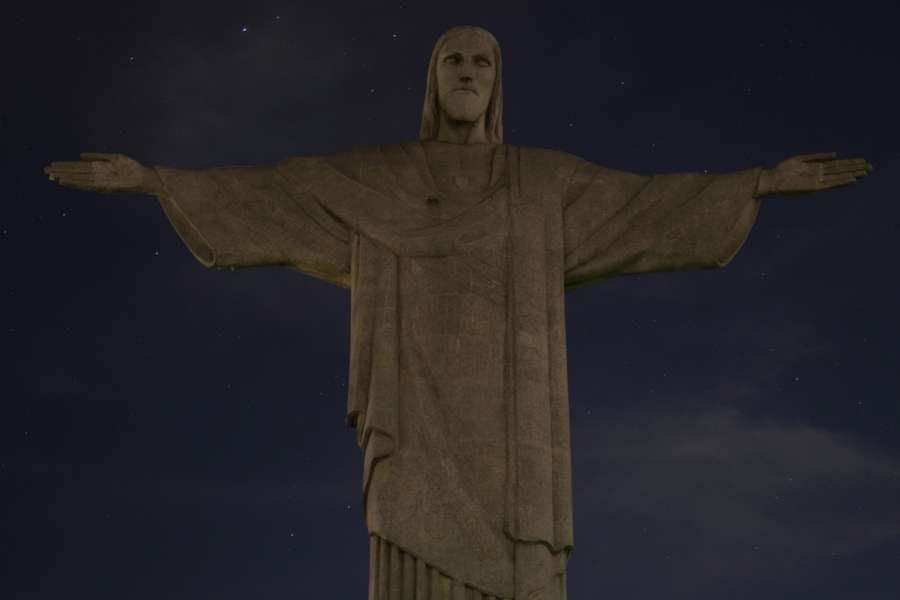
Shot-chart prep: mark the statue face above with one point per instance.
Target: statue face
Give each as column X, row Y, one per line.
column 465, row 76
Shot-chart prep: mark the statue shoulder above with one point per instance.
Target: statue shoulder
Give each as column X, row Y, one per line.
column 543, row 167
column 546, row 155
column 345, row 160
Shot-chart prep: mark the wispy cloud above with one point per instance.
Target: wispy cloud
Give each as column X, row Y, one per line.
column 721, row 498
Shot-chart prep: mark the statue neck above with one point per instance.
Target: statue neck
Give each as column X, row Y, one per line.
column 461, row 132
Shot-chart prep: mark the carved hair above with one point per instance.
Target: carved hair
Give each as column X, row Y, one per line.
column 493, row 119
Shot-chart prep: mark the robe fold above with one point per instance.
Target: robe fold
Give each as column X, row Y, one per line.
column 457, row 385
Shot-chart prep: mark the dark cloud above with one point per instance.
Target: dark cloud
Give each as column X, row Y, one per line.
column 727, row 499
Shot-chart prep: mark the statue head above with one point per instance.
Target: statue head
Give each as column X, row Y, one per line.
column 464, row 82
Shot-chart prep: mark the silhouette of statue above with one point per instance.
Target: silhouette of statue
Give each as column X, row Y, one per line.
column 457, row 250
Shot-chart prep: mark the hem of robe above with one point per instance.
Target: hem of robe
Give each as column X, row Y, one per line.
column 189, row 233
column 396, row 574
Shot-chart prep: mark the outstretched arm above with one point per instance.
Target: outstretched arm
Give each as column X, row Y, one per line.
column 619, row 223
column 810, row 173
column 229, row 216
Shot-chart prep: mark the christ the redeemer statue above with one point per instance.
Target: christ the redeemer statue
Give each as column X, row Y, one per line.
column 457, row 250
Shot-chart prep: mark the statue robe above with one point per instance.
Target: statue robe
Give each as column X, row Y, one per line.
column 457, row 385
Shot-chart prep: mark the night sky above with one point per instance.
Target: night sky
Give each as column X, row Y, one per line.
column 170, row 431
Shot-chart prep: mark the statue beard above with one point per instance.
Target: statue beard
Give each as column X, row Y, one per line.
column 463, row 107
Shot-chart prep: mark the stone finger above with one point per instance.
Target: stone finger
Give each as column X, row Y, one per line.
column 835, row 170
column 840, row 164
column 75, row 180
column 837, row 181
column 69, row 173
column 101, row 156
column 77, row 165
column 818, row 156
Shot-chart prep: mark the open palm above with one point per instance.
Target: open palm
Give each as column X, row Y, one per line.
column 95, row 172
column 809, row 173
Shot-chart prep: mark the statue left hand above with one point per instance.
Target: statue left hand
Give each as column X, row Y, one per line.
column 809, row 173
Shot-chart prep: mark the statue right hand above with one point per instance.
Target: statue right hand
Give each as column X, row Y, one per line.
column 107, row 173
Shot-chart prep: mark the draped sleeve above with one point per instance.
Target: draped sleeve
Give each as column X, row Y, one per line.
column 256, row 216
column 618, row 223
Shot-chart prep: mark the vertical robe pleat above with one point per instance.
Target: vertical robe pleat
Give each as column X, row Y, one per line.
column 409, row 577
column 384, row 566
